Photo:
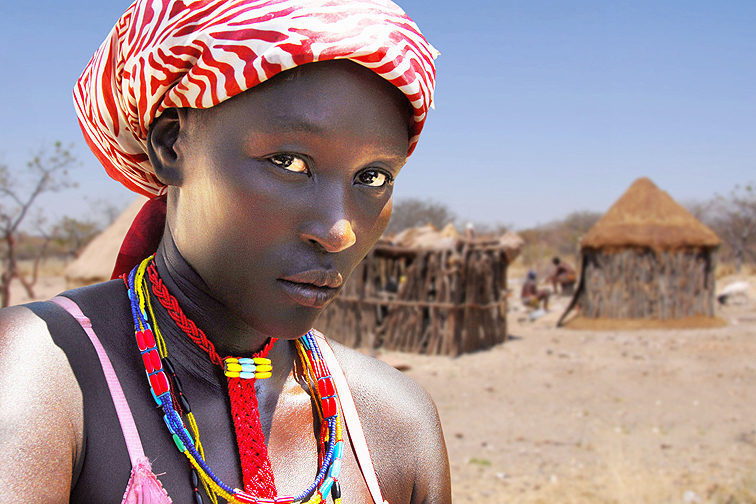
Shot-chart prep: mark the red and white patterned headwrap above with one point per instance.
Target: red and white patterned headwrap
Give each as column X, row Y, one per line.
column 184, row 53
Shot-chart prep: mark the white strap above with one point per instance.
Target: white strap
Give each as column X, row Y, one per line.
column 351, row 420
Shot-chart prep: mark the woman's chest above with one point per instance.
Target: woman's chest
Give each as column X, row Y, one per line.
column 291, row 437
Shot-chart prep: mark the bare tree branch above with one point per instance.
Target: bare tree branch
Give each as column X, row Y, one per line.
column 734, row 220
column 44, row 173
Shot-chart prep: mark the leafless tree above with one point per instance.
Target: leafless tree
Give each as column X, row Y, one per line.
column 571, row 229
column 559, row 237
column 19, row 191
column 72, row 235
column 413, row 212
column 701, row 209
column 735, row 221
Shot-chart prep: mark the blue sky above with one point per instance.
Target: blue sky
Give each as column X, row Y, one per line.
column 542, row 107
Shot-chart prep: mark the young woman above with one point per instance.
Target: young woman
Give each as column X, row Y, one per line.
column 271, row 133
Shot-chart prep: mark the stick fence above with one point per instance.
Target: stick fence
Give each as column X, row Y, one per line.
column 445, row 302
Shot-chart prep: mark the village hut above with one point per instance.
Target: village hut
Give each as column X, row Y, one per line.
column 647, row 258
column 96, row 261
column 426, row 291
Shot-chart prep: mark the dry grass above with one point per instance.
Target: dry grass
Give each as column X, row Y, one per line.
column 564, row 416
column 725, row 269
column 646, row 216
column 50, row 267
column 742, row 492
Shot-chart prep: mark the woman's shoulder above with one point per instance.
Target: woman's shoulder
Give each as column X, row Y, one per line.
column 104, row 304
column 100, row 298
column 31, row 331
column 94, row 300
column 377, row 384
column 401, row 426
column 41, row 409
column 39, row 342
column 59, row 361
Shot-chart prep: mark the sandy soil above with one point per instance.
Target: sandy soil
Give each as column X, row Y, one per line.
column 558, row 415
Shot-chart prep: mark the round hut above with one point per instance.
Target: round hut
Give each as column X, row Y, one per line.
column 96, row 261
column 647, row 258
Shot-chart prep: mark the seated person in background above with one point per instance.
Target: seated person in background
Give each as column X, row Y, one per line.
column 564, row 275
column 532, row 296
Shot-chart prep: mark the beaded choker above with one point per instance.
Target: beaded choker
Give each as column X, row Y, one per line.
column 241, row 372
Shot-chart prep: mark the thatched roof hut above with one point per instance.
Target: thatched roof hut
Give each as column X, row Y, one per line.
column 96, row 261
column 645, row 216
column 426, row 291
column 647, row 258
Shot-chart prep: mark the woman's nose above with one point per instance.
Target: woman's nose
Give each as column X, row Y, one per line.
column 338, row 237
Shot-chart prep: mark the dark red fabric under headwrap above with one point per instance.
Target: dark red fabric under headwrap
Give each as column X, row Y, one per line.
column 143, row 237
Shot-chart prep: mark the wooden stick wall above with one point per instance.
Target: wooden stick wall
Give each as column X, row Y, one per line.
column 647, row 284
column 423, row 301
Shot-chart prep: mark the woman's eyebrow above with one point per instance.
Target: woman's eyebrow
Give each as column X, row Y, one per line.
column 297, row 123
column 394, row 159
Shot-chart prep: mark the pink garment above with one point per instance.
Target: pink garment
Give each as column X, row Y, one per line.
column 145, row 488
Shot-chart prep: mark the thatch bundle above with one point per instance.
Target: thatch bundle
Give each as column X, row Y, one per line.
column 648, row 257
column 447, row 297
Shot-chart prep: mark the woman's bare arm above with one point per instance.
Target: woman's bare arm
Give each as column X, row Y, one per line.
column 41, row 412
column 433, row 479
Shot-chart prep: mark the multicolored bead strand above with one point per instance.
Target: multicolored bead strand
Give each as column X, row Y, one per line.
column 137, row 292
column 167, row 391
column 246, row 368
column 257, row 472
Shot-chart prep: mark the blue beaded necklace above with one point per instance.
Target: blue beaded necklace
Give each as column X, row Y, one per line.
column 154, row 355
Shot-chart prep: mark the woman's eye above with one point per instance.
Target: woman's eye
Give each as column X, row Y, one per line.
column 374, row 178
column 289, row 162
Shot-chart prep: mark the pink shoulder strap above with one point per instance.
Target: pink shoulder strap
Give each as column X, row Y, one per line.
column 351, row 419
column 130, row 433
column 143, row 486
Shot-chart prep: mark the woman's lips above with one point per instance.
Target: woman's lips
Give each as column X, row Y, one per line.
column 314, row 288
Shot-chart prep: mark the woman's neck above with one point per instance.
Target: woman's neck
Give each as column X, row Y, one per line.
column 229, row 334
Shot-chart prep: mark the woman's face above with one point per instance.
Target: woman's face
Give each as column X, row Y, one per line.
column 284, row 189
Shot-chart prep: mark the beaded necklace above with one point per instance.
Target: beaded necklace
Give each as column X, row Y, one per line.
column 167, row 392
column 241, row 375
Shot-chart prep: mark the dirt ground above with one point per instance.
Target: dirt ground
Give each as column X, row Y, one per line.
column 566, row 416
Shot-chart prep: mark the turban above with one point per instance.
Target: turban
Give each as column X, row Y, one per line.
column 198, row 53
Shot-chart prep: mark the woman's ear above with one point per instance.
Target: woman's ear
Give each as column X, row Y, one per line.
column 161, row 146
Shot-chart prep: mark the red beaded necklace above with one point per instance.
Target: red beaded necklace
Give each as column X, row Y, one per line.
column 256, row 469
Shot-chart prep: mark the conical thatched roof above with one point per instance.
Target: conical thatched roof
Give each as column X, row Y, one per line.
column 96, row 261
column 646, row 216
